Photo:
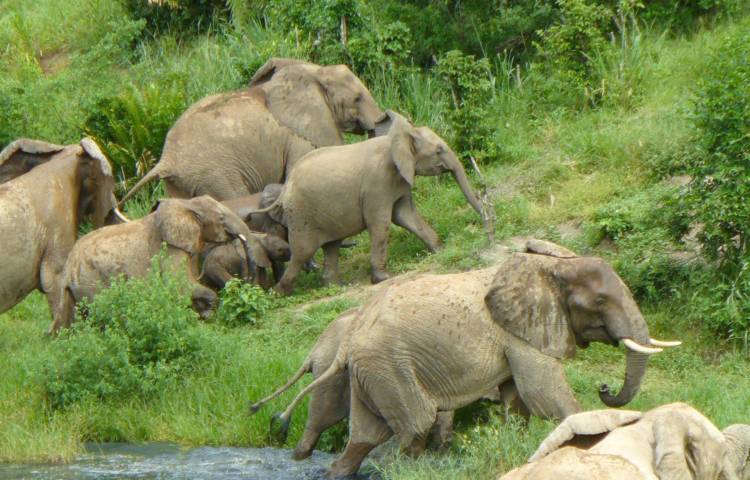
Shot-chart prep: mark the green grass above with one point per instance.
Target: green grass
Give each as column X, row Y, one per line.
column 557, row 167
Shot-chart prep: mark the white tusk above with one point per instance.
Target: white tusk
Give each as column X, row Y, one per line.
column 660, row 343
column 120, row 215
column 242, row 237
column 639, row 348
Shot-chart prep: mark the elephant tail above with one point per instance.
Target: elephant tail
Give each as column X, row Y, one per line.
column 338, row 365
column 305, row 368
column 153, row 174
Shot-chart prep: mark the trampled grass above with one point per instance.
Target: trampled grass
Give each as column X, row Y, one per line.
column 557, row 167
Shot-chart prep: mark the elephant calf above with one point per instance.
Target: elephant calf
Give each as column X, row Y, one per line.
column 126, row 249
column 337, row 192
column 671, row 442
column 223, row 262
column 435, row 343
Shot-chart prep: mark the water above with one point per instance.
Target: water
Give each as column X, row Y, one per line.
column 165, row 461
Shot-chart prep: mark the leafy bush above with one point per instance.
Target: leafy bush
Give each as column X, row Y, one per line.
column 722, row 302
column 186, row 16
column 132, row 339
column 682, row 16
column 720, row 165
column 568, row 47
column 243, row 303
column 131, row 126
column 471, row 121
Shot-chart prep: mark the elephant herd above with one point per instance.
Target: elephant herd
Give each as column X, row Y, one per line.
column 260, row 179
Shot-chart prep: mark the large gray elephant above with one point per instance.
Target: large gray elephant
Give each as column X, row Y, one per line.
column 671, row 442
column 337, row 192
column 186, row 226
column 233, row 144
column 438, row 342
column 50, row 190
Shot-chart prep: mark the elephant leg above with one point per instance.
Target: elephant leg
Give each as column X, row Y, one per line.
column 378, row 223
column 367, row 431
column 302, row 251
column 405, row 215
column 63, row 308
column 328, row 406
column 510, row 397
column 331, row 264
column 541, row 383
column 277, row 266
column 441, row 434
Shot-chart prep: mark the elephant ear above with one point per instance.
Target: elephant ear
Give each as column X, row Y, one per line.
column 526, row 300
column 273, row 65
column 24, row 154
column 403, row 138
column 297, row 100
column 593, row 423
column 383, row 127
column 543, row 247
column 257, row 250
column 179, row 226
column 687, row 444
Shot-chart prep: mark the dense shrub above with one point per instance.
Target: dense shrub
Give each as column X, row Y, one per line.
column 132, row 339
column 177, row 16
column 722, row 302
column 243, row 303
column 472, row 123
column 131, row 126
column 720, row 166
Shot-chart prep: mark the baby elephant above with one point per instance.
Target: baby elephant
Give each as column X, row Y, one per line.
column 337, row 192
column 671, row 442
column 126, row 249
column 223, row 262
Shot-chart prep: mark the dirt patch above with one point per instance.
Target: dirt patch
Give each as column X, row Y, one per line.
column 52, row 63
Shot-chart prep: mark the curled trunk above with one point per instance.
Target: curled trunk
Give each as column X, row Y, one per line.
column 634, row 372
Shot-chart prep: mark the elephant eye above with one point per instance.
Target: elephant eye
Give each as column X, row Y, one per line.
column 601, row 300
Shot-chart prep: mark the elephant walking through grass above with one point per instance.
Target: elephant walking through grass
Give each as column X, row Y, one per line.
column 337, row 192
column 436, row 343
column 233, row 144
column 186, row 226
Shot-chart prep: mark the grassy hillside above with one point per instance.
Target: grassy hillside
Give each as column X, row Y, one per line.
column 591, row 167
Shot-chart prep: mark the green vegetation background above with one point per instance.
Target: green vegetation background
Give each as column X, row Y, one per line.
column 617, row 128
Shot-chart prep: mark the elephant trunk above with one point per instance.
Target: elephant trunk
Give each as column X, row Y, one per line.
column 635, row 370
column 463, row 182
column 637, row 358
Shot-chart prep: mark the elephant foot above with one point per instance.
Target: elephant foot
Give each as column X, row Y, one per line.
column 379, row 276
column 283, row 289
column 311, row 266
column 301, row 454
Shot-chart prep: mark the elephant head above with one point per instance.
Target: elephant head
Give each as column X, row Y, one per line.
column 670, row 442
column 419, row 151
column 317, row 102
column 96, row 199
column 189, row 224
column 555, row 300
